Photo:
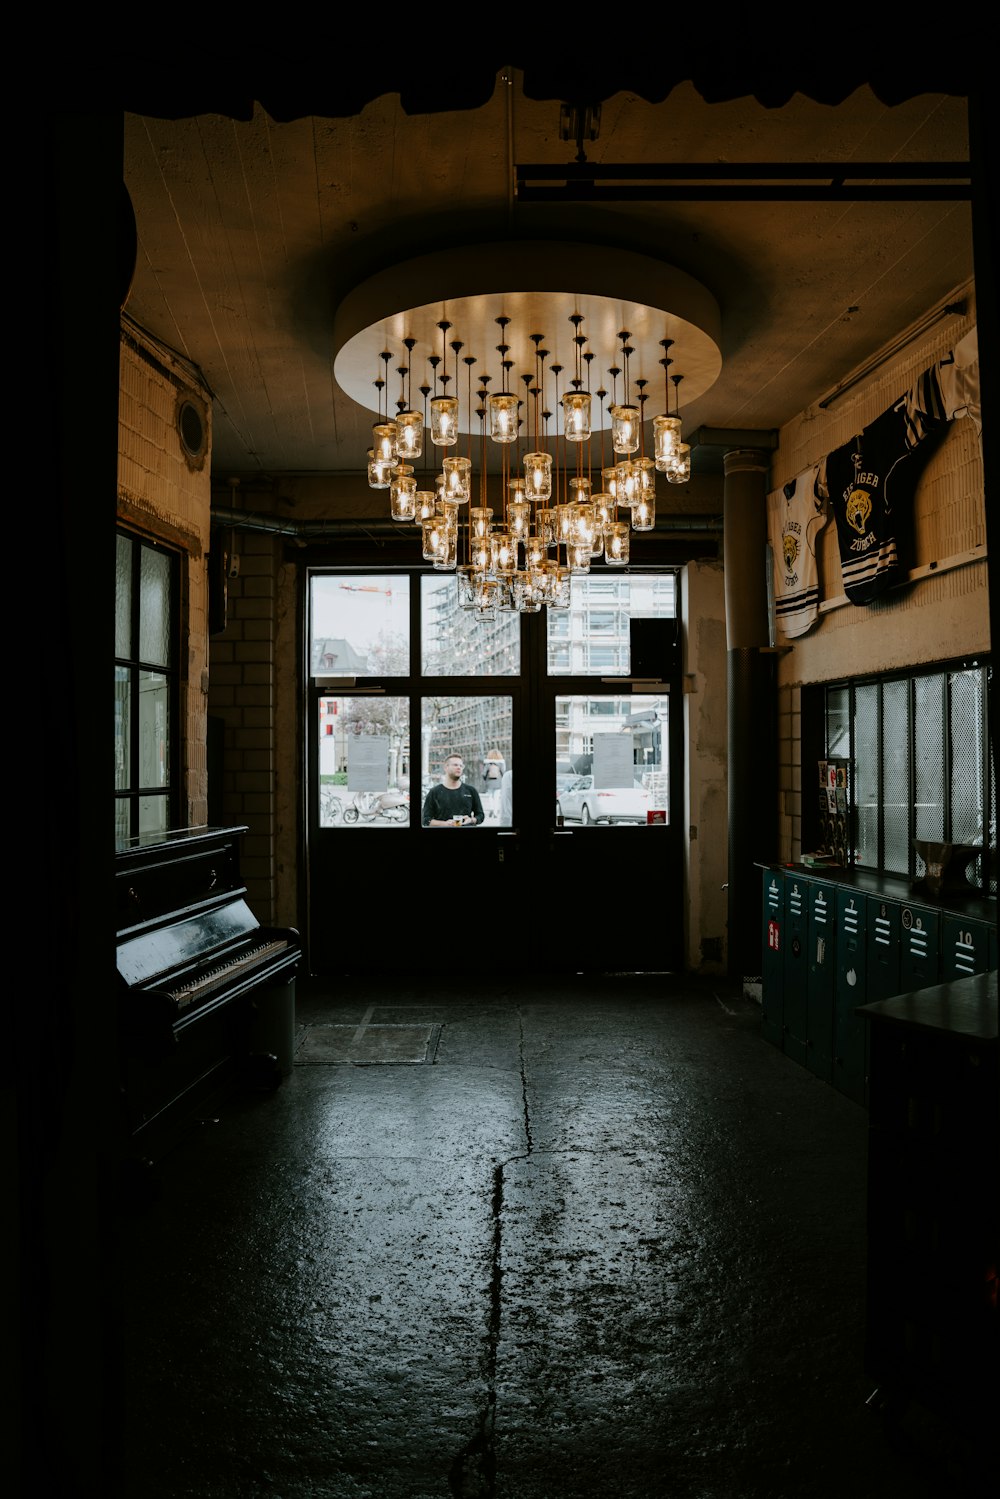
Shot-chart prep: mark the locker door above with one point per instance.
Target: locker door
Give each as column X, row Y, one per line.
column 883, row 948
column 965, row 947
column 821, row 979
column 773, row 955
column 849, row 1031
column 795, row 968
column 919, row 949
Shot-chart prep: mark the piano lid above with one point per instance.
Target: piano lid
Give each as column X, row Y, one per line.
column 151, row 955
column 158, row 877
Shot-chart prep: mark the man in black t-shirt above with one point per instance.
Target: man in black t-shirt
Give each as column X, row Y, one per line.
column 452, row 804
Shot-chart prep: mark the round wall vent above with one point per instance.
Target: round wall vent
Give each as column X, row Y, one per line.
column 192, row 428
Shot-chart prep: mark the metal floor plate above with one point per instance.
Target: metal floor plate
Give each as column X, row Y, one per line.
column 367, row 1045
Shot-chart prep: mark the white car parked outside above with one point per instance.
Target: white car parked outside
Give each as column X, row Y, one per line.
column 581, row 802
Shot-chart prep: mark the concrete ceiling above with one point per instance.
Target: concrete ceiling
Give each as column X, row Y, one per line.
column 252, row 232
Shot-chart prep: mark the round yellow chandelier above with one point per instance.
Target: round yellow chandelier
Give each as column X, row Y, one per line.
column 524, row 462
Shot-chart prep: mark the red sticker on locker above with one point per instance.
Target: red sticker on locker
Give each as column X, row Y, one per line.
column 773, row 936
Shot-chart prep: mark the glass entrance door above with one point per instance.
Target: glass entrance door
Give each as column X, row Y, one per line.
column 465, row 775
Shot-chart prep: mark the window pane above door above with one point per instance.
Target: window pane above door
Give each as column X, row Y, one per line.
column 456, row 642
column 592, row 638
column 359, row 626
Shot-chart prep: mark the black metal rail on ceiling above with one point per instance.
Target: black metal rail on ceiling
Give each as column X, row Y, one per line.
column 743, row 182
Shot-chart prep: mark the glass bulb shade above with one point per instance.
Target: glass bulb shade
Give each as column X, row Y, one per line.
column 457, row 479
column 503, row 552
column 578, row 556
column 679, row 471
column 584, row 525
column 425, row 505
column 384, row 441
column 519, row 518
column 409, row 434
column 449, row 512
column 434, row 533
column 479, row 552
column 506, row 598
column 467, row 587
column 379, row 470
column 625, row 429
column 605, row 509
column 579, row 491
column 628, row 487
column 403, row 493
column 610, row 479
column 545, row 525
column 644, row 515
column 446, row 557
column 444, row 421
column 558, row 592
column 538, row 475
column 616, row 543
column 502, row 406
column 536, row 553
column 666, row 439
column 576, row 415
column 486, row 602
column 479, row 520
column 565, row 522
column 517, row 489
column 646, row 470
column 527, row 589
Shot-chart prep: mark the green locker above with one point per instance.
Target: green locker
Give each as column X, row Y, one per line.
column 919, row 949
column 883, row 950
column 773, row 955
column 821, row 979
column 965, row 947
column 849, row 1032
column 795, row 971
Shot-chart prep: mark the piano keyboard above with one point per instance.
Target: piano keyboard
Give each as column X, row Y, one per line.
column 214, row 978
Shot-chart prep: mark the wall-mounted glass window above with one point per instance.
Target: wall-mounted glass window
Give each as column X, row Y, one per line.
column 147, row 580
column 921, row 769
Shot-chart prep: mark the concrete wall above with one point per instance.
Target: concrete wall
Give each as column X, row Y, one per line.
column 165, row 492
column 942, row 611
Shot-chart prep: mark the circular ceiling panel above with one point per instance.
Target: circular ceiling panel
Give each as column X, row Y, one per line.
column 562, row 303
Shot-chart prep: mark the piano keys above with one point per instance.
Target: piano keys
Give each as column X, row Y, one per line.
column 206, row 993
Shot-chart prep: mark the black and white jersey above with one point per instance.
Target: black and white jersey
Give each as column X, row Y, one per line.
column 796, row 513
column 870, row 482
column 958, row 377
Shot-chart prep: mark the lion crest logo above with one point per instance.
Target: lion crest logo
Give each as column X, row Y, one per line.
column 859, row 508
column 790, row 549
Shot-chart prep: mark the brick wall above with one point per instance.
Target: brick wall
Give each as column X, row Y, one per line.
column 242, row 696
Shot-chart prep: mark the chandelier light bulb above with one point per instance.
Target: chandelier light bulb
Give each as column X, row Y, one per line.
column 409, row 434
column 503, row 416
column 576, row 415
column 625, row 429
column 444, row 421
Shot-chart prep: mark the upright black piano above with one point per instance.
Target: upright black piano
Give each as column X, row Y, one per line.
column 206, row 994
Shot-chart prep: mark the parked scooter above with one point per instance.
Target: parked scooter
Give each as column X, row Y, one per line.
column 392, row 806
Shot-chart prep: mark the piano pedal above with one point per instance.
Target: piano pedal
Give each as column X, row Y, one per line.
column 260, row 1072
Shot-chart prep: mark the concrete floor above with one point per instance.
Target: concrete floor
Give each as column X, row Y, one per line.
column 603, row 1241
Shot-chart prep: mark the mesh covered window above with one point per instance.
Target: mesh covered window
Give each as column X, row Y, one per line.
column 922, row 766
